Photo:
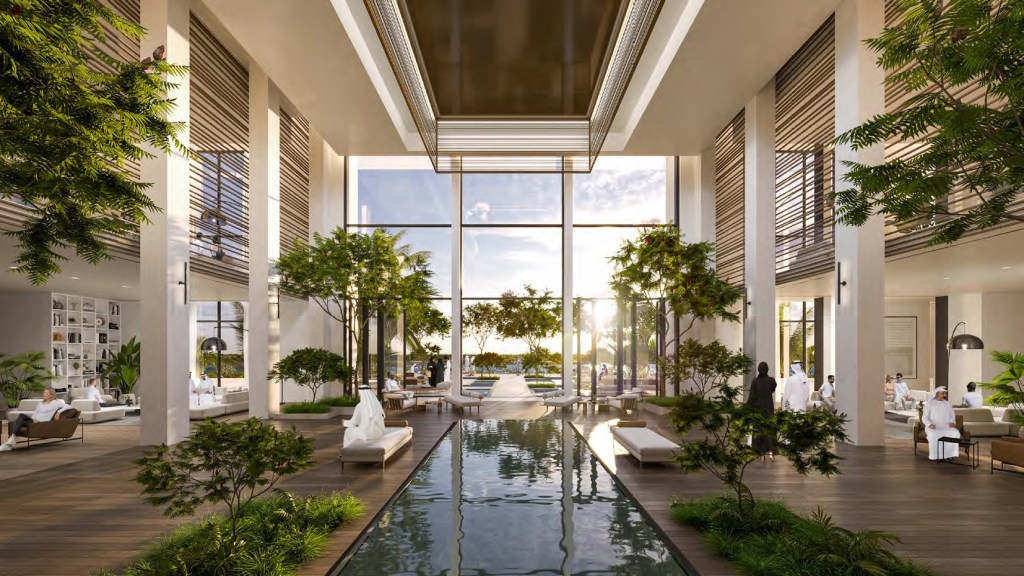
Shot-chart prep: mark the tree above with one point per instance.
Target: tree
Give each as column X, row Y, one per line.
column 480, row 321
column 68, row 127
column 21, row 375
column 971, row 167
column 708, row 366
column 1008, row 386
column 538, row 360
column 312, row 368
column 225, row 463
column 488, row 362
column 531, row 317
column 359, row 274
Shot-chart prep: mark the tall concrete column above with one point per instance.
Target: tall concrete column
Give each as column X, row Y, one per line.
column 860, row 251
column 457, row 283
column 697, row 213
column 164, row 248
column 264, row 325
column 759, row 228
column 568, row 342
column 326, row 212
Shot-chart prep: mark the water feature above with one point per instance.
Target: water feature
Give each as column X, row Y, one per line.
column 511, row 497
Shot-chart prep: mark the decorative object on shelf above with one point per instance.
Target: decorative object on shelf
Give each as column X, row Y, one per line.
column 115, row 309
column 72, row 319
column 73, row 306
column 58, row 337
column 76, row 365
column 88, row 307
column 101, row 321
column 113, row 326
column 58, row 305
column 103, row 338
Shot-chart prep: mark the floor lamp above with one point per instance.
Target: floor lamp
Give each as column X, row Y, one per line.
column 963, row 341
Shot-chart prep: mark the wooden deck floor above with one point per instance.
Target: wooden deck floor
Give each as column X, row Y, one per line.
column 78, row 503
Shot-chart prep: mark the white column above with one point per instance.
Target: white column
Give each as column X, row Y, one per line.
column 860, row 252
column 264, row 242
column 326, row 212
column 759, row 227
column 697, row 213
column 457, row 283
column 568, row 342
column 164, row 247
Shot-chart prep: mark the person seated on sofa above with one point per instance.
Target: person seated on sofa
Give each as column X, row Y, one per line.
column 972, row 399
column 93, row 392
column 890, row 392
column 904, row 399
column 391, row 386
column 44, row 412
column 205, row 385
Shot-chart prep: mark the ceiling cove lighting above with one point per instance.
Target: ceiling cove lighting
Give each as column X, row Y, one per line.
column 541, row 103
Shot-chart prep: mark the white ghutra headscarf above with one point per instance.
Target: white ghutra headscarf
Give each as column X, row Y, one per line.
column 367, row 421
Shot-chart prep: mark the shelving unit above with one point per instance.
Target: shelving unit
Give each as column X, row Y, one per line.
column 85, row 335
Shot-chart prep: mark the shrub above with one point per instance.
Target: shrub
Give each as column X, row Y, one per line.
column 768, row 539
column 276, row 533
column 543, row 385
column 488, row 362
column 305, row 408
column 312, row 368
column 340, row 401
column 663, row 401
column 222, row 463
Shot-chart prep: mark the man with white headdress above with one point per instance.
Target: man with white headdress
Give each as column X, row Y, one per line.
column 940, row 422
column 367, row 422
column 797, row 391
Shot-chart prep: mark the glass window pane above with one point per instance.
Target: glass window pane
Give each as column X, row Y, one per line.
column 206, row 311
column 512, row 198
column 436, row 241
column 399, row 196
column 420, row 346
column 591, row 269
column 622, row 190
column 495, row 260
column 232, row 311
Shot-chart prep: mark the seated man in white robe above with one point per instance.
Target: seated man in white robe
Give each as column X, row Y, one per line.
column 391, row 386
column 367, row 422
column 904, row 399
column 940, row 422
column 797, row 391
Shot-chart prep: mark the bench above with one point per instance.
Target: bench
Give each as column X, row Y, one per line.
column 397, row 433
column 563, row 402
column 644, row 444
column 471, row 400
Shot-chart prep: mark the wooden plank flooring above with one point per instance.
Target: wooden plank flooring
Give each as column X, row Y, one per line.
column 77, row 502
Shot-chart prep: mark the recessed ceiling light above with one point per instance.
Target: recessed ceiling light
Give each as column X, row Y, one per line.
column 123, row 286
column 75, row 278
column 12, row 267
column 945, row 277
column 1007, row 267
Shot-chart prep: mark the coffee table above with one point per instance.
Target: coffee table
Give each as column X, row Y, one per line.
column 970, row 447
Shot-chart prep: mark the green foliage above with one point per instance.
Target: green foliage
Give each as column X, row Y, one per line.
column 312, row 368
column 488, row 362
column 542, row 385
column 708, row 366
column 1008, row 387
column 767, row 539
column 125, row 367
column 663, row 401
column 480, row 321
column 659, row 264
column 21, row 375
column 539, row 360
column 724, row 422
column 72, row 118
column 231, row 365
column 340, row 401
column 222, row 463
column 971, row 167
column 305, row 408
column 530, row 317
column 277, row 534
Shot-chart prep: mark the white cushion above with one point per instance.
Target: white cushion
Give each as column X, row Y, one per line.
column 377, row 450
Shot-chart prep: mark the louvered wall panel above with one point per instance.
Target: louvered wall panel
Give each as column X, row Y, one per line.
column 805, row 122
column 219, row 135
column 729, row 201
column 916, row 235
column 14, row 214
column 294, row 180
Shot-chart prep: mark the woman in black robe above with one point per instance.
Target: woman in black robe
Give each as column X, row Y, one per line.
column 432, row 372
column 762, row 396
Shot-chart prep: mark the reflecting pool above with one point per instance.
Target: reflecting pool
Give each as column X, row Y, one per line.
column 511, row 497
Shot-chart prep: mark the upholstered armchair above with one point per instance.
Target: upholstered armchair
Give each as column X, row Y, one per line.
column 921, row 438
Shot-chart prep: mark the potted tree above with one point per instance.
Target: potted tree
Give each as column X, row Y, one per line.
column 20, row 376
column 124, row 369
column 312, row 368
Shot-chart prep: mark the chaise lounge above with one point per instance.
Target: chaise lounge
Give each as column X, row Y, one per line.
column 470, row 400
column 556, row 400
column 644, row 444
column 397, row 433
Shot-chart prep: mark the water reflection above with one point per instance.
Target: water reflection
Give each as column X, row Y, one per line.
column 529, row 498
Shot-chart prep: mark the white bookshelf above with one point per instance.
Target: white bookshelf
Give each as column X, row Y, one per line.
column 85, row 335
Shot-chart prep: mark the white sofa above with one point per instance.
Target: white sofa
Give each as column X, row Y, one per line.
column 223, row 403
column 644, row 444
column 90, row 409
column 919, row 396
column 397, row 433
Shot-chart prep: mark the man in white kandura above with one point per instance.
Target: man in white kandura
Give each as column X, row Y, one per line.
column 904, row 399
column 367, row 422
column 797, row 391
column 940, row 422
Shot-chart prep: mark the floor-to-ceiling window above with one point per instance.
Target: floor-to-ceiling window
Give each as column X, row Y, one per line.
column 796, row 337
column 224, row 320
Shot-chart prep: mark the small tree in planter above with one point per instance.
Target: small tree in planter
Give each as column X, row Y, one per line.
column 537, row 361
column 124, row 369
column 1008, row 386
column 312, row 368
column 708, row 366
column 22, row 375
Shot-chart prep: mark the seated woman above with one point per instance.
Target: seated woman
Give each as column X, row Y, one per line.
column 890, row 390
column 93, row 392
column 45, row 412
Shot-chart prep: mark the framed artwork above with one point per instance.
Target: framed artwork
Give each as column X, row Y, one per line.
column 901, row 346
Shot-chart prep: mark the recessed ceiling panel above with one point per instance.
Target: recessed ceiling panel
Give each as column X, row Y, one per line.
column 512, row 57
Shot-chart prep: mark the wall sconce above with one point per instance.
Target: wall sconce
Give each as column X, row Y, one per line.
column 747, row 302
column 839, row 283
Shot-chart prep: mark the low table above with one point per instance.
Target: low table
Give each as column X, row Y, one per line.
column 427, row 401
column 970, row 447
column 132, row 410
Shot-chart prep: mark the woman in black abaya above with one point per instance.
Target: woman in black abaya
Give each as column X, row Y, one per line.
column 762, row 396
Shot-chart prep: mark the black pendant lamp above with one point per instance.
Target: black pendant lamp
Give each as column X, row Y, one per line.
column 213, row 344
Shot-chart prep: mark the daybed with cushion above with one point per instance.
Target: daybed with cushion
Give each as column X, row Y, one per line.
column 470, row 400
column 1008, row 450
column 397, row 433
column 644, row 444
column 60, row 429
column 563, row 402
column 980, row 422
column 90, row 410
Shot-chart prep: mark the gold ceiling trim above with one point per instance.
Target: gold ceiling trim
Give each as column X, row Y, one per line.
column 514, row 145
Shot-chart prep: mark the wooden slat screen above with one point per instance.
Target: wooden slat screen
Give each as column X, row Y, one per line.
column 219, row 135
column 729, row 235
column 805, row 122
column 912, row 236
column 294, row 180
column 13, row 213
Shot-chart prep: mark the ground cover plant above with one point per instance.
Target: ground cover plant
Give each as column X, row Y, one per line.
column 767, row 539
